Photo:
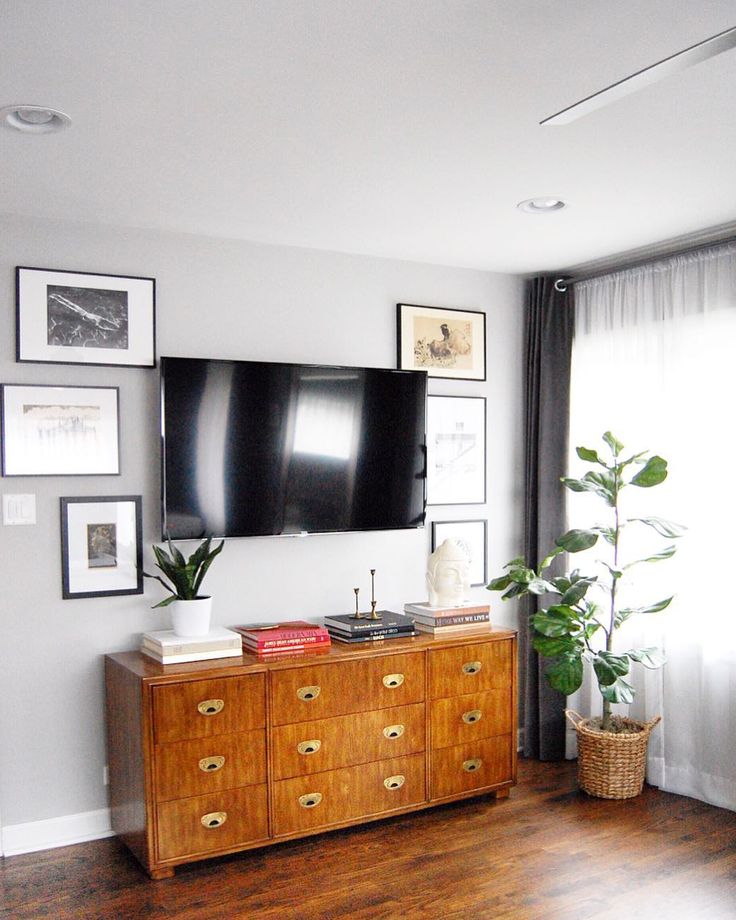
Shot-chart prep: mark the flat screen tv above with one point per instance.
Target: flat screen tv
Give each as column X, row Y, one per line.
column 251, row 448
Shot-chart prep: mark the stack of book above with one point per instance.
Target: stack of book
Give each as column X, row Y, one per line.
column 346, row 628
column 450, row 621
column 293, row 637
column 167, row 648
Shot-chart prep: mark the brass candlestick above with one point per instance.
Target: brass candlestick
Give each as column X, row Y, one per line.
column 357, row 615
column 373, row 615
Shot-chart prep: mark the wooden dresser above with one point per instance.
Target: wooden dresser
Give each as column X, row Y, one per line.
column 219, row 756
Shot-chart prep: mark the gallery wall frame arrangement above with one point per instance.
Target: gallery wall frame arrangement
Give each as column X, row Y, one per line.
column 456, row 450
column 101, row 546
column 68, row 317
column 473, row 535
column 443, row 341
column 59, row 430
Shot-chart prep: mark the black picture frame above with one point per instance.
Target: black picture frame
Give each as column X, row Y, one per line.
column 57, row 412
column 446, row 342
column 94, row 318
column 101, row 552
column 456, row 450
column 456, row 530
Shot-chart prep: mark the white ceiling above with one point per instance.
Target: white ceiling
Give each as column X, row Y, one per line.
column 399, row 128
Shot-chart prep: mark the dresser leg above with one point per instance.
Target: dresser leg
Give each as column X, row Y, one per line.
column 164, row 872
column 503, row 793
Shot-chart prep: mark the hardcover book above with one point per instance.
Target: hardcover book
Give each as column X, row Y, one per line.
column 424, row 609
column 269, row 634
column 452, row 621
column 191, row 656
column 374, row 637
column 166, row 642
column 347, row 623
column 454, row 630
column 286, row 644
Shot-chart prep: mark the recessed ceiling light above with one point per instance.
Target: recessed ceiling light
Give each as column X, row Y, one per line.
column 34, row 119
column 541, row 205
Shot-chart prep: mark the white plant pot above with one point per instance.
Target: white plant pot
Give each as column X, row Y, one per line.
column 191, row 618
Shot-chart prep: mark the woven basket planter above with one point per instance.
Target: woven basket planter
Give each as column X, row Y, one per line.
column 611, row 765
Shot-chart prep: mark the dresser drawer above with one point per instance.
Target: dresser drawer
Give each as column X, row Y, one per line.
column 458, row 719
column 207, row 823
column 303, row 748
column 185, row 768
column 307, row 802
column 321, row 690
column 469, row 668
column 475, row 765
column 202, row 708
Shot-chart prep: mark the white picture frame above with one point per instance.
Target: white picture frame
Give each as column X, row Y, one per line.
column 68, row 317
column 474, row 536
column 456, row 450
column 60, row 430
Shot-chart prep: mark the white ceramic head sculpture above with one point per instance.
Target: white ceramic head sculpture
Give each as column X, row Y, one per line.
column 448, row 574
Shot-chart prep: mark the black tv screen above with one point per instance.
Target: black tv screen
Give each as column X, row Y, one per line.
column 253, row 448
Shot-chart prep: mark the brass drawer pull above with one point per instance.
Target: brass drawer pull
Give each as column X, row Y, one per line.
column 310, row 800
column 214, row 819
column 394, row 782
column 211, row 707
column 309, row 747
column 470, row 766
column 474, row 715
column 212, row 764
column 393, row 680
column 308, row 693
column 393, row 731
column 472, row 667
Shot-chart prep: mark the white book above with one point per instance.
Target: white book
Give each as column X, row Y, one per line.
column 167, row 643
column 192, row 656
column 423, row 607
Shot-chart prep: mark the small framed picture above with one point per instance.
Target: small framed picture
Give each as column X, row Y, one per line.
column 66, row 317
column 456, row 450
column 473, row 535
column 101, row 546
column 441, row 341
column 59, row 431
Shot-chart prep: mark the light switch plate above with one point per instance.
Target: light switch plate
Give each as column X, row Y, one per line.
column 19, row 509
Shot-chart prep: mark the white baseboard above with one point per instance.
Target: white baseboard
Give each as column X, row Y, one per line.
column 55, row 832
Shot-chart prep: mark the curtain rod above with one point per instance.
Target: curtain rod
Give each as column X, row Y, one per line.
column 667, row 251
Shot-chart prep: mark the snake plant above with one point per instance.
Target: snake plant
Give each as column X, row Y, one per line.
column 185, row 575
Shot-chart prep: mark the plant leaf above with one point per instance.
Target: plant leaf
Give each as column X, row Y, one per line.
column 652, row 473
column 205, row 566
column 577, row 591
column 666, row 553
column 551, row 647
column 575, row 541
column 650, row 657
column 609, row 667
column 555, row 622
column 664, row 528
column 589, row 455
column 615, row 445
column 541, row 586
column 620, row 691
column 549, row 559
column 565, row 673
column 499, row 584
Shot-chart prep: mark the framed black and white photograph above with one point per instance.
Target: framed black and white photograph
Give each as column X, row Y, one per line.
column 443, row 342
column 66, row 317
column 59, row 431
column 101, row 546
column 456, row 450
column 473, row 536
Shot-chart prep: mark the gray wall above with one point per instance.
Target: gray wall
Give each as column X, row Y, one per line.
column 229, row 299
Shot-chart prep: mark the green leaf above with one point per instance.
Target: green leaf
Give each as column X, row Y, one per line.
column 666, row 553
column 664, row 528
column 589, row 455
column 578, row 485
column 577, row 591
column 175, row 554
column 555, row 622
column 548, row 560
column 650, row 657
column 499, row 584
column 575, row 541
column 652, row 473
column 553, row 647
column 521, row 575
column 565, row 673
column 656, row 608
column 615, row 445
column 205, row 567
column 540, row 586
column 620, row 691
column 608, row 667
column 166, row 601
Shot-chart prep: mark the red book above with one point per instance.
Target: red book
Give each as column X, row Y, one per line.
column 268, row 635
column 286, row 644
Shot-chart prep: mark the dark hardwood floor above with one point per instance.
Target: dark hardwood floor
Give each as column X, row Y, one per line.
column 549, row 852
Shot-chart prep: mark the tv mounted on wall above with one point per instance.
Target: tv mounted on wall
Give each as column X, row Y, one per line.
column 252, row 448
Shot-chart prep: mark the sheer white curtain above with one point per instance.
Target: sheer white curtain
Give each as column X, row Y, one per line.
column 654, row 361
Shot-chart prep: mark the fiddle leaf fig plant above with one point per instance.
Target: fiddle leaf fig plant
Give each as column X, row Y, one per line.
column 185, row 575
column 581, row 624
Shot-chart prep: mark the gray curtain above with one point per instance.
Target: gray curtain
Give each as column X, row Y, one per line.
column 548, row 342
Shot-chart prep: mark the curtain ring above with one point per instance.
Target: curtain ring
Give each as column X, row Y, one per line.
column 561, row 285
